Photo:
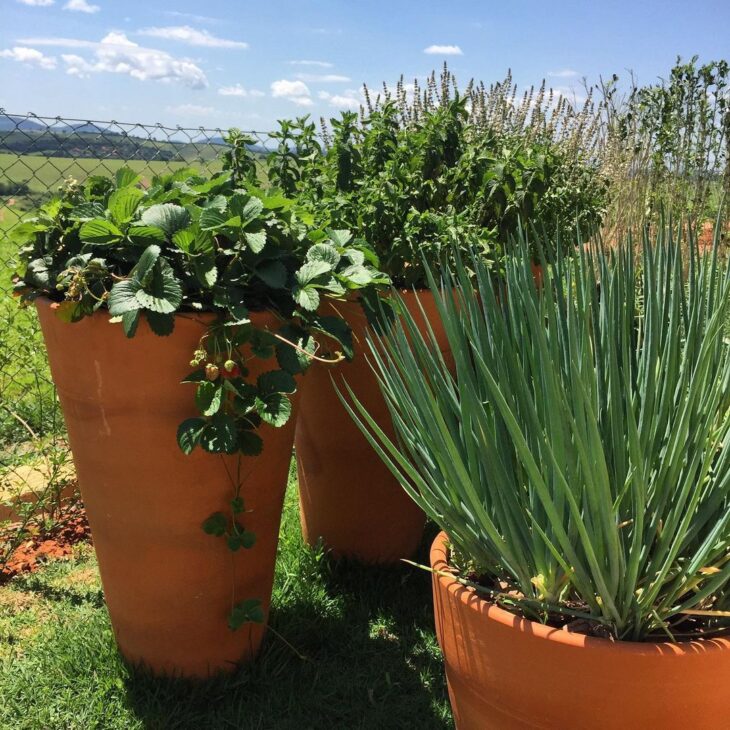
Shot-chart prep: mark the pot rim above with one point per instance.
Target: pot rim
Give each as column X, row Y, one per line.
column 471, row 601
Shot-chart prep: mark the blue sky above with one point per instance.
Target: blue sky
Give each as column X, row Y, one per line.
column 225, row 63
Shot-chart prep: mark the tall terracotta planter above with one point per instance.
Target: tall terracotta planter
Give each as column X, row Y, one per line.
column 348, row 497
column 509, row 673
column 169, row 586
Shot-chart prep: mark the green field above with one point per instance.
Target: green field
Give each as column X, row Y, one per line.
column 43, row 175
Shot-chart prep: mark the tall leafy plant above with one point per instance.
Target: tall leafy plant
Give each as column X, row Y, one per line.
column 220, row 245
column 414, row 184
column 579, row 456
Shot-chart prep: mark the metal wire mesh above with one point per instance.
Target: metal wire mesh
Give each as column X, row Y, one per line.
column 36, row 155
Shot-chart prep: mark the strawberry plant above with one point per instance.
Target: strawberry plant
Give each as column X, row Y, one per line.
column 222, row 245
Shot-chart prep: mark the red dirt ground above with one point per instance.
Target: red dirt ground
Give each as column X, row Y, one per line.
column 40, row 546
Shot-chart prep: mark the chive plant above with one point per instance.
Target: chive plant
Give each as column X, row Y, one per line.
column 577, row 452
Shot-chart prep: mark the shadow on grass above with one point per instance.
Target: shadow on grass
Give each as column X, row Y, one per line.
column 70, row 595
column 350, row 647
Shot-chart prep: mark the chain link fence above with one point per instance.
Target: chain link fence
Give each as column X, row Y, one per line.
column 36, row 155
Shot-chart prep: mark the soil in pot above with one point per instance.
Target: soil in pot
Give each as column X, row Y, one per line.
column 169, row 586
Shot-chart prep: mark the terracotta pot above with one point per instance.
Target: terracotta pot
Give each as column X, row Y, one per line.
column 348, row 497
column 537, row 273
column 169, row 586
column 508, row 673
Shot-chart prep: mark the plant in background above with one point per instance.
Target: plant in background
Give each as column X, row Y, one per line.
column 193, row 244
column 579, row 458
column 684, row 124
column 413, row 176
column 620, row 154
column 298, row 149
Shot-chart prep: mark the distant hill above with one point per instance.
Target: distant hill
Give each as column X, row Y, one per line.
column 8, row 124
column 22, row 136
column 82, row 143
column 86, row 127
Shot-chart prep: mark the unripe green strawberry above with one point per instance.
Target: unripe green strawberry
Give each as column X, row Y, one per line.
column 229, row 365
column 231, row 373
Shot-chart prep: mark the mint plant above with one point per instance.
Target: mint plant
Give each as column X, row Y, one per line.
column 413, row 178
column 223, row 245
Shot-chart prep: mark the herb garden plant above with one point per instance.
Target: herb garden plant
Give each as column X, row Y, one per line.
column 577, row 457
column 414, row 175
column 226, row 275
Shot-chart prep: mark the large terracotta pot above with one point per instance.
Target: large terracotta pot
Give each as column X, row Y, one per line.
column 348, row 497
column 508, row 673
column 169, row 586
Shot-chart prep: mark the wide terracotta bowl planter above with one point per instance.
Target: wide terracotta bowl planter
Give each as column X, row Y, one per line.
column 508, row 673
column 348, row 497
column 169, row 587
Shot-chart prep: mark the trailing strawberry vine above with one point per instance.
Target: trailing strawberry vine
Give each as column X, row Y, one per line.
column 222, row 244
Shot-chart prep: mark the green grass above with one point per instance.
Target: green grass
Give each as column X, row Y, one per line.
column 26, row 393
column 367, row 634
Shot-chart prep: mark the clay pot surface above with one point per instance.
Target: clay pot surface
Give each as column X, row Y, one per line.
column 348, row 497
column 169, row 587
column 507, row 673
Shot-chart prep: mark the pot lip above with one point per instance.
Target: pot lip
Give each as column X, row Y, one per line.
column 470, row 601
column 200, row 317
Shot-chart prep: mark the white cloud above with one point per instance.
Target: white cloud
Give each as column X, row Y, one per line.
column 348, row 100
column 191, row 36
column 238, row 90
column 59, row 42
column 115, row 53
column 81, row 6
column 294, row 91
column 443, row 51
column 565, row 73
column 76, row 65
column 286, row 88
column 29, row 56
column 324, row 78
column 191, row 110
column 191, row 16
column 37, row 3
column 318, row 64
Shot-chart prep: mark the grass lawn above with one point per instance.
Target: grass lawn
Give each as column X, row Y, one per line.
column 354, row 648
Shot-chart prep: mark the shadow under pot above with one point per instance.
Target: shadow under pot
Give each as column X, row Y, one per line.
column 169, row 587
